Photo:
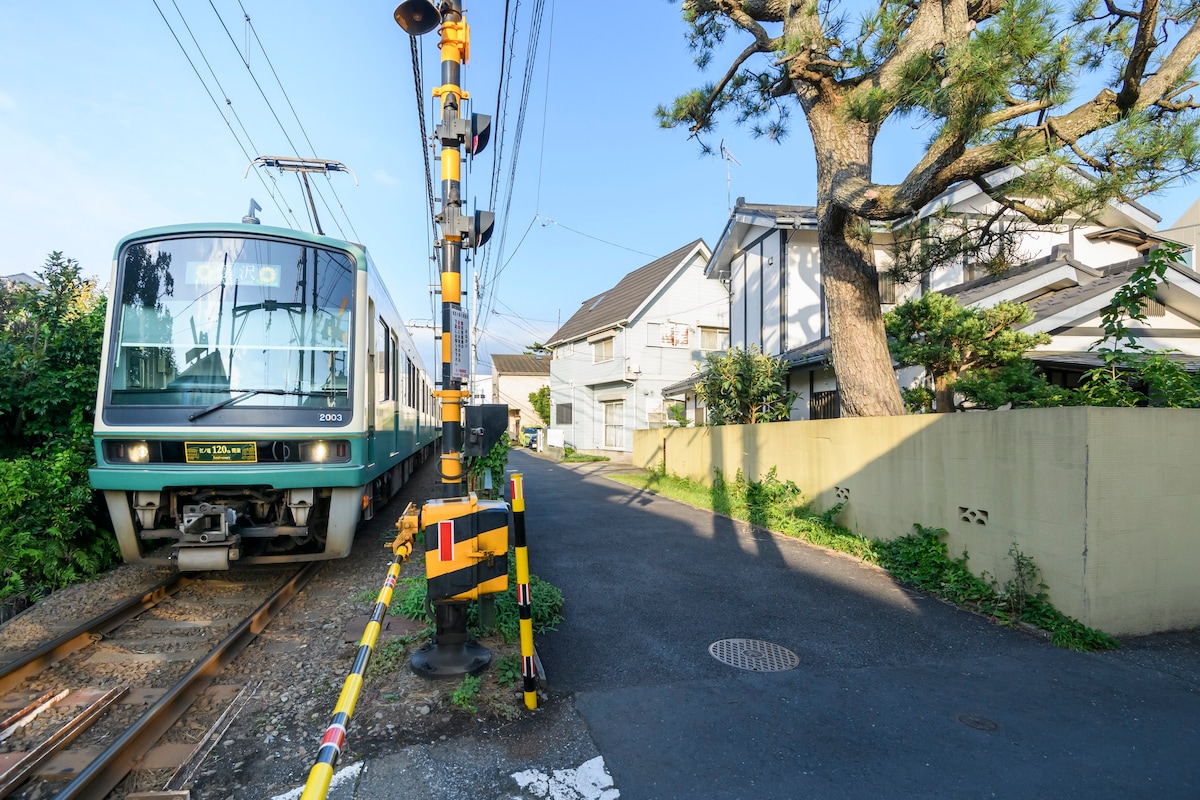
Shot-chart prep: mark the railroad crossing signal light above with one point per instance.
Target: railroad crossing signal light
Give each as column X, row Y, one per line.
column 474, row 229
column 475, row 132
column 481, row 134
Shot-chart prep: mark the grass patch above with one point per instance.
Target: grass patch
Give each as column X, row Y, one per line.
column 546, row 605
column 570, row 456
column 919, row 559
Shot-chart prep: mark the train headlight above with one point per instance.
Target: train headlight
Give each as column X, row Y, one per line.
column 124, row 452
column 321, row 451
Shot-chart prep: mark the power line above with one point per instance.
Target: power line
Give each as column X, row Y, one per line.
column 217, row 105
column 296, row 116
column 271, row 108
column 596, row 238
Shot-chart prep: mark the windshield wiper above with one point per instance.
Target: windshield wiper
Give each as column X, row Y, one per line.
column 242, row 395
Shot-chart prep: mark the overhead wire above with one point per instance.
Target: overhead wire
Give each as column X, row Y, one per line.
column 228, row 102
column 296, row 116
column 526, row 87
column 419, row 85
column 271, row 108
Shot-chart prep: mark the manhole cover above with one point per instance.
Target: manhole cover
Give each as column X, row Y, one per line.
column 753, row 655
column 977, row 722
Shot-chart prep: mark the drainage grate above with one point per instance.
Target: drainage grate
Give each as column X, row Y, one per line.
column 753, row 655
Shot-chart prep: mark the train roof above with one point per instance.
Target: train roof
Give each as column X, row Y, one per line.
column 243, row 229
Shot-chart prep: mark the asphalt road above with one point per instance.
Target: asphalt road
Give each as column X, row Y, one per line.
column 895, row 694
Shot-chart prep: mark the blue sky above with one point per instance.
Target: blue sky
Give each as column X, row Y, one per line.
column 107, row 130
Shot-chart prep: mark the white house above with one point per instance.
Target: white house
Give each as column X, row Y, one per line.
column 769, row 258
column 615, row 355
column 514, row 378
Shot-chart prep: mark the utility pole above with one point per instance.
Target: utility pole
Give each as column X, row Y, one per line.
column 458, row 230
column 466, row 539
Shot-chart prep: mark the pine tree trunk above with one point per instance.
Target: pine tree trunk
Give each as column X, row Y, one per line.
column 943, row 389
column 867, row 383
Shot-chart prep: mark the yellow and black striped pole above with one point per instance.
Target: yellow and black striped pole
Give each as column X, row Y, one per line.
column 524, row 597
column 321, row 774
column 455, row 48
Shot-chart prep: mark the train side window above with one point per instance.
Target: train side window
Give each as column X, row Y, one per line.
column 394, row 373
column 385, row 364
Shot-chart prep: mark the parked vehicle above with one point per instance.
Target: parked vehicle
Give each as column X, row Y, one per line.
column 529, row 438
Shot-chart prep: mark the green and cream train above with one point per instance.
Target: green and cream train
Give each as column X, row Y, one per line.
column 259, row 395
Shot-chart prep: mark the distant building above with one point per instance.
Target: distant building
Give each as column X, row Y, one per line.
column 613, row 357
column 9, row 281
column 514, row 378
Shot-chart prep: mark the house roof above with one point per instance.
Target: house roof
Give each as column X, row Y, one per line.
column 746, row 215
column 620, row 303
column 520, row 364
column 23, row 277
column 982, row 288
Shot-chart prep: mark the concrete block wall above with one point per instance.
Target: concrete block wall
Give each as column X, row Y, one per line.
column 1103, row 500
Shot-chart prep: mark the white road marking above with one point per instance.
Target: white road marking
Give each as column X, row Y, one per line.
column 588, row 781
column 341, row 776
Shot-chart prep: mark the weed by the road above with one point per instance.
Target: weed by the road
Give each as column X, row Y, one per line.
column 464, row 694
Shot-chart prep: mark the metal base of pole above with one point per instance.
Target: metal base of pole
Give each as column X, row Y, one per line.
column 452, row 652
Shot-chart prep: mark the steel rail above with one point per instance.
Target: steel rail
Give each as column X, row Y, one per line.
column 13, row 673
column 103, row 775
column 20, row 771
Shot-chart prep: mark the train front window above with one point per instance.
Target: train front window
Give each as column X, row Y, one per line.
column 207, row 319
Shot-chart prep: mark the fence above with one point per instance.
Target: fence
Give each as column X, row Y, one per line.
column 1102, row 499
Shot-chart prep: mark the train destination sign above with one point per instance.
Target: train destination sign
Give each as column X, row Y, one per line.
column 207, row 452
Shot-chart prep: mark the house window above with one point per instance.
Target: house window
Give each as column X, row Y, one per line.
column 714, row 338
column 602, row 350
column 562, row 414
column 887, row 288
column 614, row 424
column 673, row 335
column 824, row 405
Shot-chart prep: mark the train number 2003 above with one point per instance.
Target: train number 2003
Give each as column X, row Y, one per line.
column 323, row 417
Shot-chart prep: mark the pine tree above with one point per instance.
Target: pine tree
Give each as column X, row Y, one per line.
column 1092, row 104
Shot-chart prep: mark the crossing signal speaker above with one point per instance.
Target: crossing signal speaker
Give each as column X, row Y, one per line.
column 417, row 17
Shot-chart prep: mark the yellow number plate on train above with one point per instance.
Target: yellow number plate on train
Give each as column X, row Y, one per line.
column 209, row 452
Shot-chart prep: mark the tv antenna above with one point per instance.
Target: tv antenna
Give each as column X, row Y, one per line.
column 728, row 156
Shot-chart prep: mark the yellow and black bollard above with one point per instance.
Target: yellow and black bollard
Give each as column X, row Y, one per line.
column 524, row 597
column 321, row 774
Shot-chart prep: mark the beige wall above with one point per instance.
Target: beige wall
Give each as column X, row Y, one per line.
column 1102, row 499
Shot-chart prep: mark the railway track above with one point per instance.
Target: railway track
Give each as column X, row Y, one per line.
column 135, row 671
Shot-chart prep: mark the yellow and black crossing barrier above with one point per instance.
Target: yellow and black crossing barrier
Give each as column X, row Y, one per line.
column 321, row 774
column 466, row 557
column 524, row 597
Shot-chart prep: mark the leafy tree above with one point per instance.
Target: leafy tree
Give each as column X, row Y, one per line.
column 997, row 83
column 948, row 339
column 51, row 529
column 540, row 400
column 1019, row 385
column 537, row 349
column 741, row 387
column 1127, row 364
column 50, row 341
column 1129, row 375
